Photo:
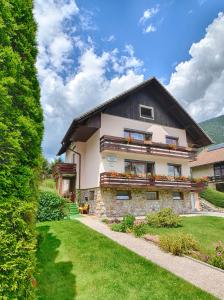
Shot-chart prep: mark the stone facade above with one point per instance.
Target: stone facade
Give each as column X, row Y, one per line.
column 105, row 203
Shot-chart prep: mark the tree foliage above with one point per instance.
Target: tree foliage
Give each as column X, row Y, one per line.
column 21, row 128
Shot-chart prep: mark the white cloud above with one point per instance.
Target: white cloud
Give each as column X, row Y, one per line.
column 198, row 83
column 110, row 38
column 74, row 77
column 149, row 13
column 149, row 28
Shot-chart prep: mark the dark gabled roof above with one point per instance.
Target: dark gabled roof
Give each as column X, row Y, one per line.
column 98, row 109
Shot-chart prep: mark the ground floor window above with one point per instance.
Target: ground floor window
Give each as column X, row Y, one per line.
column 178, row 196
column 152, row 195
column 219, row 170
column 123, row 195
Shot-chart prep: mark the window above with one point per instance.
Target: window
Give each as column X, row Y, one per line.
column 174, row 170
column 146, row 112
column 171, row 140
column 139, row 167
column 123, row 195
column 219, row 170
column 152, row 195
column 177, row 196
column 91, row 195
column 137, row 135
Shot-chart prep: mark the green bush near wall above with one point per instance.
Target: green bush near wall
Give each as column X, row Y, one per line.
column 51, row 207
column 213, row 196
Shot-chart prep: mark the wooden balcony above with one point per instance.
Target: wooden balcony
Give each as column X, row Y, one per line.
column 216, row 178
column 64, row 169
column 119, row 180
column 112, row 143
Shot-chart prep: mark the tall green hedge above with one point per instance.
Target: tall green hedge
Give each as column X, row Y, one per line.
column 21, row 129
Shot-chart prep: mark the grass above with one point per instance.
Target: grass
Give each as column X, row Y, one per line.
column 48, row 185
column 206, row 230
column 76, row 262
column 213, row 196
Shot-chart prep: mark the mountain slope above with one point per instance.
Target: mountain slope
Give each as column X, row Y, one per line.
column 214, row 128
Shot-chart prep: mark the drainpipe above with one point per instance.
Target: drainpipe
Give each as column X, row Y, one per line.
column 79, row 155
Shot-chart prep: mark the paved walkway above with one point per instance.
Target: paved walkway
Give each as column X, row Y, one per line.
column 202, row 276
column 206, row 213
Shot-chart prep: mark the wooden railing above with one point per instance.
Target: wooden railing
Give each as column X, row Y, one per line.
column 107, row 179
column 216, row 178
column 145, row 147
column 64, row 168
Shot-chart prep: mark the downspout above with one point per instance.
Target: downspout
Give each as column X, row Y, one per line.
column 79, row 155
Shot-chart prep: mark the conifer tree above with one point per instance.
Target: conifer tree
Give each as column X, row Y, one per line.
column 21, row 129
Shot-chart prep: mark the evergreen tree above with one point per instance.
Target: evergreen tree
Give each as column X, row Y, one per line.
column 21, row 129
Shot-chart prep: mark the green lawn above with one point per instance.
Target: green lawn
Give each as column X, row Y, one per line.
column 207, row 230
column 48, row 185
column 76, row 262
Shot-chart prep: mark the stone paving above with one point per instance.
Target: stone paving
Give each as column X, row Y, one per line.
column 201, row 275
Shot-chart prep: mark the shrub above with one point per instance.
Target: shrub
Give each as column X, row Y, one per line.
column 140, row 229
column 178, row 243
column 120, row 227
column 213, row 196
column 128, row 221
column 125, row 225
column 217, row 259
column 51, row 207
column 164, row 218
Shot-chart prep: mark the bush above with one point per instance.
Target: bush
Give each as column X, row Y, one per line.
column 178, row 243
column 120, row 227
column 217, row 259
column 164, row 218
column 51, row 207
column 213, row 196
column 125, row 225
column 128, row 221
column 140, row 229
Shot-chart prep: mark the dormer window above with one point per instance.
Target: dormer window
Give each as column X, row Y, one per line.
column 146, row 112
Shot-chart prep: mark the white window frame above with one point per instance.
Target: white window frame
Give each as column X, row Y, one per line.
column 149, row 107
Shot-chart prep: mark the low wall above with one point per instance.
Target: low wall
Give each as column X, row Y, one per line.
column 105, row 203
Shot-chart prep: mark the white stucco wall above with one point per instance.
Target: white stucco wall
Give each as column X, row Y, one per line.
column 202, row 171
column 93, row 162
column 113, row 125
column 161, row 164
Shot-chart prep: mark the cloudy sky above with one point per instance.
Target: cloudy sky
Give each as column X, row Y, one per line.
column 91, row 50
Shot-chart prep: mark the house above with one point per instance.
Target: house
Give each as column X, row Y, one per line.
column 210, row 162
column 131, row 154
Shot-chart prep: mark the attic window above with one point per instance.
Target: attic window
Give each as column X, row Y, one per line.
column 146, row 112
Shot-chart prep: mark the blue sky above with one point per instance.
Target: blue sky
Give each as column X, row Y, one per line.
column 178, row 24
column 91, row 50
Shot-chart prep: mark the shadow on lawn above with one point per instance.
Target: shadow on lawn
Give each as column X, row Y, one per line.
column 55, row 280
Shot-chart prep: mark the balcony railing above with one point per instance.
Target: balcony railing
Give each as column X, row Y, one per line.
column 120, row 144
column 216, row 178
column 112, row 179
column 65, row 169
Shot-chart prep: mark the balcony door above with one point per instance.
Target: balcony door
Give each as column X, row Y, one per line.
column 137, row 167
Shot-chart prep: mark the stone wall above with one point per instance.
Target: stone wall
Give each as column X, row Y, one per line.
column 105, row 203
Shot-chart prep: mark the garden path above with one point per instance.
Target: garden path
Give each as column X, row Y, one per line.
column 199, row 274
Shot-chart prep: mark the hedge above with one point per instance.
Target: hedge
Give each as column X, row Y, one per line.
column 213, row 196
column 21, row 129
column 51, row 207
